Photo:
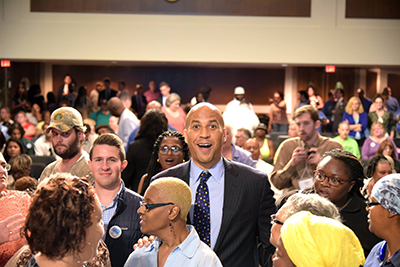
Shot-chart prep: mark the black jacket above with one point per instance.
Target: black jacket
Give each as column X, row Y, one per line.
column 127, row 219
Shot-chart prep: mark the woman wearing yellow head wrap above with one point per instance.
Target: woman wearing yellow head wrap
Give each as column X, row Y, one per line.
column 310, row 240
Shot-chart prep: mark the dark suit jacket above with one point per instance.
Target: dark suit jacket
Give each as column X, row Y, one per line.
column 248, row 204
column 102, row 95
column 135, row 105
column 339, row 111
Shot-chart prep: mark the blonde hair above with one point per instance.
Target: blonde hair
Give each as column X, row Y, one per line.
column 348, row 108
column 177, row 192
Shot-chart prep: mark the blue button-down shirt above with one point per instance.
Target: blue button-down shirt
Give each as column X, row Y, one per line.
column 109, row 211
column 376, row 257
column 191, row 252
column 216, row 192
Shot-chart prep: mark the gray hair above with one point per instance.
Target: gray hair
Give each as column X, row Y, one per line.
column 313, row 203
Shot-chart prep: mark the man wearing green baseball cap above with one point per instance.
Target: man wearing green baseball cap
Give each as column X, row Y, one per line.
column 68, row 135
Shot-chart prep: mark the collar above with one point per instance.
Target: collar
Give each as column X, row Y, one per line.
column 188, row 247
column 216, row 171
column 320, row 140
column 395, row 259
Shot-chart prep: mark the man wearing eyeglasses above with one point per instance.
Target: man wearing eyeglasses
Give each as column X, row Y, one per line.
column 231, row 202
column 297, row 158
column 119, row 204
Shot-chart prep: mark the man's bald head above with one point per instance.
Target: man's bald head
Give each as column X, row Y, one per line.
column 153, row 104
column 202, row 106
column 116, row 106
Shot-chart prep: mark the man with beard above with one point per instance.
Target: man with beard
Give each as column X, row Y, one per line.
column 68, row 133
column 297, row 158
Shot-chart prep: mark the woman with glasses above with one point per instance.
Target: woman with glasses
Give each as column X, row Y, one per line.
column 163, row 214
column 152, row 124
column 339, row 177
column 169, row 150
column 11, row 203
column 384, row 221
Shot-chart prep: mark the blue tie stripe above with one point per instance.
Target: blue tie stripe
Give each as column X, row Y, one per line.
column 201, row 218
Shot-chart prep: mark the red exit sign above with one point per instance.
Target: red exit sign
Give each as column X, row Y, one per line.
column 330, row 68
column 5, row 63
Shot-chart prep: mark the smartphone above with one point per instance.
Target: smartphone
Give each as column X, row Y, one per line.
column 310, row 152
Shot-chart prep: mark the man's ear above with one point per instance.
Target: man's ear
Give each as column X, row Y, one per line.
column 224, row 134
column 351, row 185
column 124, row 164
column 90, row 164
column 317, row 124
column 81, row 135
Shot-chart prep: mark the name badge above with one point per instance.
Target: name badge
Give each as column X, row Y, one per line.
column 115, row 231
column 305, row 183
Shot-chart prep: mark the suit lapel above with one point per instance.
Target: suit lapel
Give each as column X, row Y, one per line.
column 231, row 193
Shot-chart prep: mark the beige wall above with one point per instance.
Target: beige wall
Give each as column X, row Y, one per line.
column 324, row 38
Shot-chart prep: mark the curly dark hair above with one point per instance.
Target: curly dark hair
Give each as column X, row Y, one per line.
column 373, row 163
column 59, row 215
column 152, row 124
column 354, row 166
column 154, row 166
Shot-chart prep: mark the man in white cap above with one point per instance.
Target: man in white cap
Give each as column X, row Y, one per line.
column 68, row 135
column 239, row 97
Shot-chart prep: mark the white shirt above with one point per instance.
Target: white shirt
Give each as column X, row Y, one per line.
column 127, row 123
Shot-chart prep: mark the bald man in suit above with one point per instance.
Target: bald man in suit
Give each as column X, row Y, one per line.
column 240, row 197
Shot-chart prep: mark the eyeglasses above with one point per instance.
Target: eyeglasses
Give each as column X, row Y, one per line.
column 174, row 149
column 5, row 166
column 332, row 181
column 371, row 204
column 275, row 220
column 151, row 206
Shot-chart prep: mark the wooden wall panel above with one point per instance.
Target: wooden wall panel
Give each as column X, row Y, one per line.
column 296, row 8
column 371, row 84
column 260, row 84
column 373, row 9
column 394, row 84
column 325, row 82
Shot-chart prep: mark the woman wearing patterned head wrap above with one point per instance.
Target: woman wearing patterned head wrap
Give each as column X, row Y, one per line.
column 384, row 221
column 324, row 242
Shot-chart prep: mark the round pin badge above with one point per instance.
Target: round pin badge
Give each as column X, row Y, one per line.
column 115, row 232
column 373, row 144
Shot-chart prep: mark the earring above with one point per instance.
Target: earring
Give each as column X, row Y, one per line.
column 86, row 261
column 183, row 160
column 158, row 160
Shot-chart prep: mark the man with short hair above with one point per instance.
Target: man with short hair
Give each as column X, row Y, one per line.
column 139, row 101
column 235, row 153
column 239, row 93
column 68, row 134
column 108, row 92
column 242, row 135
column 152, row 93
column 127, row 120
column 347, row 142
column 119, row 204
column 339, row 107
column 101, row 116
column 165, row 92
column 236, row 199
column 6, row 120
column 365, row 101
column 297, row 158
column 392, row 104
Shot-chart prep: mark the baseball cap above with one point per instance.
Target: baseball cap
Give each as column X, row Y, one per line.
column 239, row 90
column 66, row 118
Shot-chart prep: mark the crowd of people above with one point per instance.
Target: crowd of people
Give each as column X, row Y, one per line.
column 144, row 180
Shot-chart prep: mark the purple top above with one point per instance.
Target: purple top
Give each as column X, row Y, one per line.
column 370, row 148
